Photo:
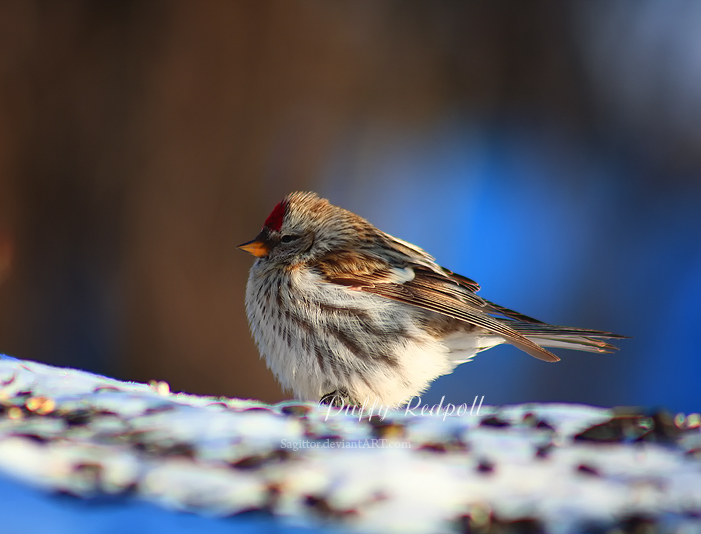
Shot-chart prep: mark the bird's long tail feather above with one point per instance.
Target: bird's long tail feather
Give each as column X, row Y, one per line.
column 584, row 343
column 565, row 337
column 549, row 335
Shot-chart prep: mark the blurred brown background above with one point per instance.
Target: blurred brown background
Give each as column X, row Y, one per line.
column 140, row 142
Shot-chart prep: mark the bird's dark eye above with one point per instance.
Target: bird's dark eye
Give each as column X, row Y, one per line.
column 289, row 238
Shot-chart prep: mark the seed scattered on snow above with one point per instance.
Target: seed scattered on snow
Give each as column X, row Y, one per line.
column 528, row 468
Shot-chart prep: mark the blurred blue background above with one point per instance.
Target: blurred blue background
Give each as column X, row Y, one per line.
column 550, row 151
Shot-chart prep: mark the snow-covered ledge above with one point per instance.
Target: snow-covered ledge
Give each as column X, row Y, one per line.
column 553, row 468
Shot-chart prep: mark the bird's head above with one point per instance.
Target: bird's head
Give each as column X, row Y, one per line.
column 303, row 227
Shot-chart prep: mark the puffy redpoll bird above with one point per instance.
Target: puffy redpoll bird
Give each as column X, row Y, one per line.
column 345, row 313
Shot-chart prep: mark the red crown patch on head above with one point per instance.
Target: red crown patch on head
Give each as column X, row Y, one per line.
column 274, row 220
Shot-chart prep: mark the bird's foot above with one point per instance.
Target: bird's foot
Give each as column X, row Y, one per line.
column 338, row 399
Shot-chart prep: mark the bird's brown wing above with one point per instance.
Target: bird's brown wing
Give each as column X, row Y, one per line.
column 426, row 286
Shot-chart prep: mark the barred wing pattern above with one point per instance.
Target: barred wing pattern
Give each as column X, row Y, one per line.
column 412, row 277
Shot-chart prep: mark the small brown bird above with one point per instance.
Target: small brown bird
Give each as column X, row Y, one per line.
column 345, row 313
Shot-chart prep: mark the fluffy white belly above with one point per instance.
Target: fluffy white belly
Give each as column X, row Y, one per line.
column 318, row 337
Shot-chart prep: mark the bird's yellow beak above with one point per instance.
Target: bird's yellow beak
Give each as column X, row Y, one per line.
column 258, row 247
